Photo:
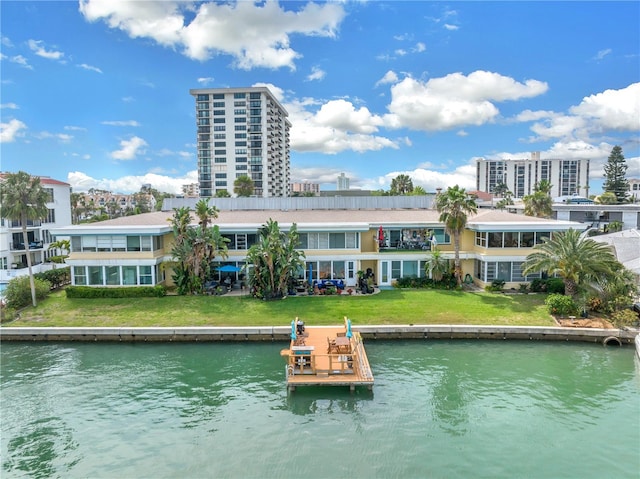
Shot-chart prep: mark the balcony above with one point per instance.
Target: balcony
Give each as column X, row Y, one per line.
column 37, row 244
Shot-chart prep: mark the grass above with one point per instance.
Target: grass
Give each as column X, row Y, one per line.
column 398, row 306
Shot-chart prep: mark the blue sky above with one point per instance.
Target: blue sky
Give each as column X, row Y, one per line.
column 96, row 93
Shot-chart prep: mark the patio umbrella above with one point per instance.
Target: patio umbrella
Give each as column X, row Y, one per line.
column 349, row 333
column 229, row 269
column 380, row 235
column 293, row 330
column 310, row 278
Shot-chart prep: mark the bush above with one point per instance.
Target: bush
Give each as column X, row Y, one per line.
column 18, row 292
column 496, row 286
column 555, row 286
column 624, row 317
column 561, row 305
column 595, row 304
column 57, row 277
column 7, row 314
column 539, row 285
column 88, row 292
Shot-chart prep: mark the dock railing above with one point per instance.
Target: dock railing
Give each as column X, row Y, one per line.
column 358, row 353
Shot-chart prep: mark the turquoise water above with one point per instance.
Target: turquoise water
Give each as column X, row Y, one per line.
column 439, row 409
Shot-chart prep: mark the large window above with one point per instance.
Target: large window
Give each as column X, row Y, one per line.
column 509, row 271
column 510, row 239
column 106, row 243
column 116, row 275
column 328, row 240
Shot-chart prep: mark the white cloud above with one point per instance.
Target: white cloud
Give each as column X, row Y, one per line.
column 80, row 181
column 602, row 53
column 205, row 80
column 90, row 68
column 450, row 27
column 9, row 106
column 75, row 128
column 129, row 149
column 420, row 47
column 427, row 178
column 455, row 100
column 11, row 130
column 389, row 77
column 316, row 74
column 255, row 34
column 613, row 109
column 18, row 59
column 121, row 123
column 45, row 135
column 37, row 47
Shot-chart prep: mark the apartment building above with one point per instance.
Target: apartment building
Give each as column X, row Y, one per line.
column 567, row 177
column 338, row 242
column 13, row 258
column 634, row 189
column 97, row 202
column 241, row 131
column 305, row 187
column 343, row 182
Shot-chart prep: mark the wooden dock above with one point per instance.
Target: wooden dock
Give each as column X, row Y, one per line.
column 327, row 356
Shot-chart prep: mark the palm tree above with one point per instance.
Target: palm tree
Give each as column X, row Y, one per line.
column 243, row 186
column 539, row 203
column 23, row 198
column 436, row 265
column 401, row 185
column 275, row 259
column 454, row 205
column 577, row 259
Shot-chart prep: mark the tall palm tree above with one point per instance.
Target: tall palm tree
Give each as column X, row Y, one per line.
column 578, row 260
column 454, row 206
column 243, row 186
column 401, row 185
column 22, row 198
column 539, row 203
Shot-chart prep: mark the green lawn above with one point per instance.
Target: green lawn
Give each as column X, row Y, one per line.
column 388, row 307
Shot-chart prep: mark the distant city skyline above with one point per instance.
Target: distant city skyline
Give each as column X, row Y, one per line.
column 97, row 93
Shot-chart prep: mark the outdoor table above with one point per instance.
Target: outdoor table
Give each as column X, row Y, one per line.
column 343, row 344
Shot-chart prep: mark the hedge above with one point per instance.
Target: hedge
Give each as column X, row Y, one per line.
column 57, row 277
column 129, row 292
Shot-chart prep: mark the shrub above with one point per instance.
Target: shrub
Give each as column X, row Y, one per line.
column 496, row 286
column 561, row 305
column 524, row 288
column 18, row 292
column 87, row 292
column 624, row 317
column 595, row 304
column 555, row 286
column 7, row 314
column 539, row 285
column 57, row 277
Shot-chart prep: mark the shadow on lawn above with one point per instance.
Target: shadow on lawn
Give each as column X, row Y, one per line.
column 519, row 303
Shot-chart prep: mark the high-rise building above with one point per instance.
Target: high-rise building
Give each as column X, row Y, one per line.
column 567, row 177
column 305, row 187
column 343, row 182
column 242, row 131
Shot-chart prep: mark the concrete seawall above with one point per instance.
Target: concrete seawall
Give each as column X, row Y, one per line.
column 281, row 333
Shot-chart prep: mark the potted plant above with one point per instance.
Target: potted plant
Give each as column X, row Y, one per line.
column 349, row 291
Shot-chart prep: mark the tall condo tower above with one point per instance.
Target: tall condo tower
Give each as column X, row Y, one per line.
column 242, row 131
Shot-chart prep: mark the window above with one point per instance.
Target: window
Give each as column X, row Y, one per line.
column 104, row 243
column 526, row 239
column 203, row 97
column 218, row 104
column 133, row 243
column 218, row 96
column 80, row 275
column 49, row 192
column 95, row 276
column 410, row 269
column 89, row 243
column 338, row 270
column 541, row 236
column 481, row 239
column 219, row 127
column 113, row 275
column 145, row 243
column 145, row 275
column 511, row 239
column 336, row 240
column 239, row 95
column 51, row 216
column 129, row 276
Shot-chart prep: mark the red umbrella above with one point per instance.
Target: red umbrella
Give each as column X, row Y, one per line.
column 381, row 235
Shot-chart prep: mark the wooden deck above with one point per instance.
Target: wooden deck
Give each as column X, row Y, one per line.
column 326, row 357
